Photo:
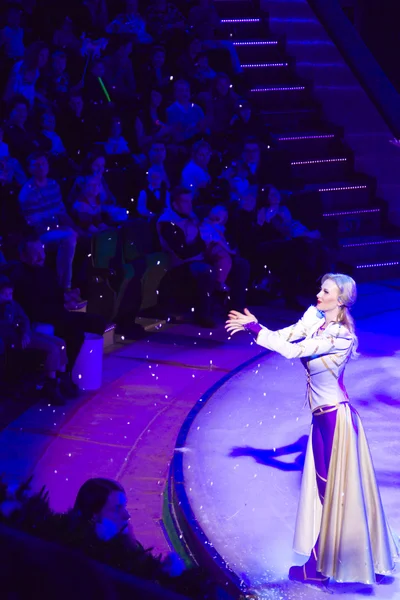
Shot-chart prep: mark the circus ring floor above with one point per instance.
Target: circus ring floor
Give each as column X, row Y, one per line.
column 238, row 462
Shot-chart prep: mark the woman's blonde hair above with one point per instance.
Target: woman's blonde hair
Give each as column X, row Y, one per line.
column 347, row 297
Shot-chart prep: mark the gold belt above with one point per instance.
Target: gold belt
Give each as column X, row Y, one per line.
column 323, row 410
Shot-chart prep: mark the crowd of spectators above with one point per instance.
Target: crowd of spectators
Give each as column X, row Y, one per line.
column 118, row 112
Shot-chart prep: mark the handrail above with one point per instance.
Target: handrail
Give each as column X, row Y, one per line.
column 361, row 61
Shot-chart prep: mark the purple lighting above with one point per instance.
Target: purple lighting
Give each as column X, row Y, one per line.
column 279, row 89
column 306, row 137
column 352, row 212
column 264, row 65
column 343, row 188
column 385, row 264
column 318, row 162
column 267, row 43
column 240, row 20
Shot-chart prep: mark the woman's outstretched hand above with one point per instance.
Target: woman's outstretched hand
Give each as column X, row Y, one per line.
column 237, row 320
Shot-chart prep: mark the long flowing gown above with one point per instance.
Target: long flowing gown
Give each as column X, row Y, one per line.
column 355, row 541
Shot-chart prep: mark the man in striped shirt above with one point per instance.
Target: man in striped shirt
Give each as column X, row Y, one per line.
column 43, row 209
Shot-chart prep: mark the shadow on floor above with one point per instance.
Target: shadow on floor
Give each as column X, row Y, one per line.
column 269, row 457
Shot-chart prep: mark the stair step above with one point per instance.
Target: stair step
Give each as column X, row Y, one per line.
column 368, row 251
column 266, row 50
column 322, row 169
column 236, row 9
column 308, row 50
column 377, row 271
column 280, row 96
column 293, row 119
column 308, row 144
column 258, row 74
column 364, row 221
column 342, row 195
column 236, row 29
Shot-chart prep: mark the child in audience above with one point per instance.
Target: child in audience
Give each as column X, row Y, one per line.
column 218, row 252
column 155, row 197
column 87, row 207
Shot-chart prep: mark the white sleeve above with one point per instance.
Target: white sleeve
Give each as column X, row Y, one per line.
column 339, row 340
column 299, row 330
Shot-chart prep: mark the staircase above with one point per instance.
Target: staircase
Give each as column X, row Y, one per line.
column 322, row 163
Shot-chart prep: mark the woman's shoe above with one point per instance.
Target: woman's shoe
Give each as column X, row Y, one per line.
column 300, row 574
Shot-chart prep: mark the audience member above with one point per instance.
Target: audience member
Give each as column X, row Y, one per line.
column 54, row 83
column 185, row 114
column 78, row 129
column 25, row 73
column 43, row 209
column 218, row 252
column 116, row 143
column 245, row 124
column 164, row 18
column 156, row 75
column 223, row 105
column 50, row 304
column 204, row 22
column 153, row 118
column 179, row 232
column 119, row 69
column 131, row 22
column 95, row 166
column 48, row 123
column 22, row 139
column 12, row 35
column 65, row 37
column 188, row 60
column 87, row 207
column 16, row 335
column 195, row 175
column 157, row 156
column 154, row 198
column 203, row 74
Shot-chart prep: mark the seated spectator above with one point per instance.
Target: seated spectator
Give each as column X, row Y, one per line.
column 54, row 83
column 203, row 73
column 25, row 73
column 119, row 69
column 93, row 15
column 78, row 130
column 10, row 167
column 195, row 175
column 94, row 166
column 65, row 37
column 218, row 252
column 12, row 35
column 16, row 335
column 179, row 233
column 93, row 91
column 116, row 143
column 251, row 169
column 204, row 22
column 22, row 139
column 50, row 304
column 131, row 22
column 188, row 60
column 154, row 198
column 153, row 118
column 164, row 18
column 245, row 123
column 223, row 105
column 87, row 207
column 157, row 157
column 185, row 114
column 43, row 209
column 156, row 75
column 48, row 123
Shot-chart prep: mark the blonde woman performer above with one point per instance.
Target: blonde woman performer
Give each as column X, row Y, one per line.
column 340, row 524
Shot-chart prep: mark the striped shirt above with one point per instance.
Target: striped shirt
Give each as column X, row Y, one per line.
column 42, row 207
